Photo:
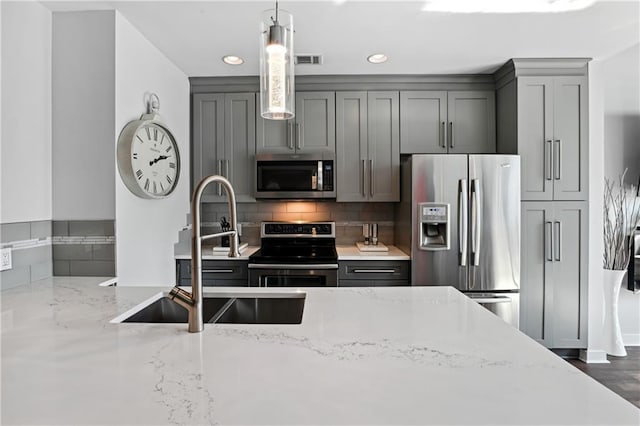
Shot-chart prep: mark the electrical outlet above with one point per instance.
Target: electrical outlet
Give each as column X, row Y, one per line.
column 5, row 259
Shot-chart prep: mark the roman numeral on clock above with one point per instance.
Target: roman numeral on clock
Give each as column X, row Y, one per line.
column 139, row 174
column 135, row 155
column 155, row 190
column 169, row 179
column 168, row 149
column 172, row 165
column 155, row 134
column 148, row 133
column 146, row 185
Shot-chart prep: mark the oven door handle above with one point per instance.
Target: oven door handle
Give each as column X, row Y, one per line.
column 292, row 266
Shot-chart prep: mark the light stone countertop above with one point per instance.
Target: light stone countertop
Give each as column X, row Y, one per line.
column 352, row 253
column 394, row 355
column 209, row 254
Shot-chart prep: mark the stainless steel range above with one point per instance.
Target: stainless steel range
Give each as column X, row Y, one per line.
column 294, row 254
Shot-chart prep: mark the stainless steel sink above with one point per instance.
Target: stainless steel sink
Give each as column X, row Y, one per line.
column 269, row 308
column 165, row 310
column 263, row 310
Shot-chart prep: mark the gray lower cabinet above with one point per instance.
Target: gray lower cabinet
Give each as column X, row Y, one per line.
column 218, row 273
column 311, row 131
column 223, row 142
column 367, row 146
column 554, row 273
column 372, row 273
column 441, row 122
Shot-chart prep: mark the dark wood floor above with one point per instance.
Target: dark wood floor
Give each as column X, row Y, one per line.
column 621, row 375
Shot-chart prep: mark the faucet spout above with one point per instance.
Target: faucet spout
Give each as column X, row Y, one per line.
column 192, row 302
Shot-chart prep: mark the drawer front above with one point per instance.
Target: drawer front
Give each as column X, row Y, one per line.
column 213, row 270
column 374, row 270
column 372, row 283
column 215, row 283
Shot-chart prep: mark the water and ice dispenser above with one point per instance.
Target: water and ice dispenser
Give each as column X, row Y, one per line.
column 433, row 226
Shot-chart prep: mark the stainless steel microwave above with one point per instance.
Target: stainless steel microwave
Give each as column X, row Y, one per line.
column 295, row 176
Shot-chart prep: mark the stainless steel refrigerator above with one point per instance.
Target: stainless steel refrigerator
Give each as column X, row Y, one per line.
column 459, row 217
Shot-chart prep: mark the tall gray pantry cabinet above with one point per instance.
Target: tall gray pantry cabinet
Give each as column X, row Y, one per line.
column 224, row 142
column 542, row 109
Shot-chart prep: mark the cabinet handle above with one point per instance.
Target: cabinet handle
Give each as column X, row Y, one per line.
column 219, row 187
column 373, row 271
column 226, row 167
column 548, row 241
column 557, row 241
column 217, row 271
column 442, row 138
column 451, row 134
column 290, row 135
column 298, row 136
column 371, row 177
column 548, row 147
column 364, row 177
column 557, row 160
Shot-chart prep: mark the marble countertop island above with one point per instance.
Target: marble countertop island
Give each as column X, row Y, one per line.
column 398, row 355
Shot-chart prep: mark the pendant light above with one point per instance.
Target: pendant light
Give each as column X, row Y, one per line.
column 277, row 96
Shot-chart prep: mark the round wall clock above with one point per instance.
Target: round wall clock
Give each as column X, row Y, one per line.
column 148, row 156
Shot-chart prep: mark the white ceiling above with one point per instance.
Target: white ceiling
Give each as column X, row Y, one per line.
column 196, row 35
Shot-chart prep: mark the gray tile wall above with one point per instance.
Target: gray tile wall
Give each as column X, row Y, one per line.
column 84, row 248
column 31, row 252
column 349, row 217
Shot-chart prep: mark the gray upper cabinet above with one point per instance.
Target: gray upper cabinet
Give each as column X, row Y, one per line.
column 440, row 122
column 554, row 273
column 311, row 131
column 367, row 146
column 224, row 142
column 552, row 137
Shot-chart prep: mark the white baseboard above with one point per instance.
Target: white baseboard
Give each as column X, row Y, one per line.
column 631, row 339
column 593, row 357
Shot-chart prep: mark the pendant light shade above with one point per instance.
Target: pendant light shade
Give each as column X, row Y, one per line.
column 277, row 96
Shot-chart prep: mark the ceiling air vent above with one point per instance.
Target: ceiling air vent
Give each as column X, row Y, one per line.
column 307, row 59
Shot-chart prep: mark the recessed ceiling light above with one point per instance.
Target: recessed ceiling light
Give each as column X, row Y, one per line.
column 233, row 60
column 377, row 58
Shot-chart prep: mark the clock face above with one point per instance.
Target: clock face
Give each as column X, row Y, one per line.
column 155, row 160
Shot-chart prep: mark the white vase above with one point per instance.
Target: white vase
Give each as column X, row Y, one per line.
column 611, row 283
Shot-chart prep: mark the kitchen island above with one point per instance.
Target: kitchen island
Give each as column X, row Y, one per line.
column 361, row 356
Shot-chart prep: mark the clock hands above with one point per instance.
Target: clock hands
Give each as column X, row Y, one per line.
column 162, row 157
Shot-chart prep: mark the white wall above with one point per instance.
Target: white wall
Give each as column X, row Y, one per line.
column 595, row 312
column 622, row 150
column 147, row 229
column 25, row 144
column 83, row 75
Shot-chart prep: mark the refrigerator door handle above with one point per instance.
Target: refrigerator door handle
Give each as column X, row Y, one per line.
column 476, row 219
column 463, row 221
column 548, row 243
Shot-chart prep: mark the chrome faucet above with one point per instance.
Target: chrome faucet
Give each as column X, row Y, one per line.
column 192, row 302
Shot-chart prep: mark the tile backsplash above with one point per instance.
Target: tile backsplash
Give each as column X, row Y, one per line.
column 349, row 217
